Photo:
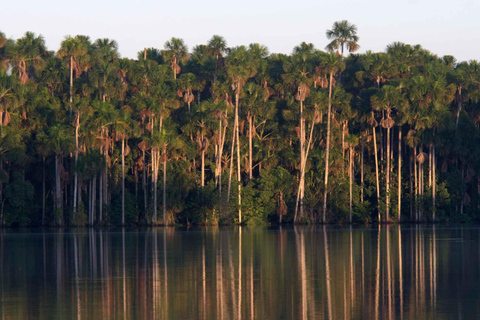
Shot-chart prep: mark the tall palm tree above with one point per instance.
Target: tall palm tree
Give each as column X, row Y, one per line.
column 218, row 45
column 298, row 74
column 27, row 55
column 240, row 68
column 386, row 99
column 342, row 35
column 176, row 51
column 332, row 63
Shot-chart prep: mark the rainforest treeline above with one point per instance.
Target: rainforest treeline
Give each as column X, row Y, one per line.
column 235, row 134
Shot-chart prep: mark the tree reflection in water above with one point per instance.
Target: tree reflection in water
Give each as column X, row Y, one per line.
column 324, row 272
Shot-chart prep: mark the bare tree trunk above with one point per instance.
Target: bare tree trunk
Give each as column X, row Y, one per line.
column 75, row 182
column 387, row 196
column 235, row 125
column 376, row 173
column 144, row 185
column 123, row 182
column 412, row 194
column 239, row 178
column 250, row 147
column 58, row 192
column 71, row 84
column 43, row 193
column 100, row 196
column 416, row 182
column 459, row 107
column 164, row 185
column 350, row 173
column 94, row 196
column 303, row 170
column 155, row 168
column 434, row 182
column 203, row 166
column 399, row 187
column 301, row 184
column 217, row 154
column 361, row 171
column 327, row 155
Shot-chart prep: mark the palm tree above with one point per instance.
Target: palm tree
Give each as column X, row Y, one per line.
column 386, row 99
column 218, row 45
column 298, row 74
column 343, row 35
column 60, row 143
column 176, row 51
column 240, row 68
column 27, row 55
column 332, row 63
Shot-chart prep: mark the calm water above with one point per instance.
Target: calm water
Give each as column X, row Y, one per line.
column 414, row 272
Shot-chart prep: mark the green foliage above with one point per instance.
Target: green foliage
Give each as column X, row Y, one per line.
column 18, row 197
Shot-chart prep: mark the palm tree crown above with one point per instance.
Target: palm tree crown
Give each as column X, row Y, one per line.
column 343, row 34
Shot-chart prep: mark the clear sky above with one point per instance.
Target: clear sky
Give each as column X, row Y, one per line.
column 441, row 26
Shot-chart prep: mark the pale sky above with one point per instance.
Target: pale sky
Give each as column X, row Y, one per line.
column 441, row 26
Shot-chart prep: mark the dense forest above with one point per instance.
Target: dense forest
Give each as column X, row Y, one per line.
column 235, row 134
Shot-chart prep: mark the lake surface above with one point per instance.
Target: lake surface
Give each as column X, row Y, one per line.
column 392, row 272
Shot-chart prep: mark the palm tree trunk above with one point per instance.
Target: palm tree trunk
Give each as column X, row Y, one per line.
column 343, row 148
column 164, row 184
column 144, row 185
column 459, row 108
column 239, row 178
column 58, row 192
column 387, row 196
column 235, row 124
column 155, row 168
column 250, row 148
column 327, row 155
column 100, row 197
column 75, row 182
column 350, row 173
column 217, row 154
column 94, row 196
column 203, row 166
column 399, row 187
column 376, row 173
column 301, row 184
column 361, row 172
column 71, row 84
column 43, row 192
column 430, row 166
column 303, row 169
column 416, row 182
column 123, row 181
column 412, row 191
column 434, row 183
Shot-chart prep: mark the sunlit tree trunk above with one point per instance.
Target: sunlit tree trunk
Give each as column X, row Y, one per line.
column 164, row 184
column 399, row 186
column 239, row 178
column 387, row 196
column 327, row 150
column 434, row 183
column 75, row 183
column 376, row 174
column 123, row 181
column 235, row 124
column 250, row 146
column 361, row 171
column 144, row 185
column 350, row 174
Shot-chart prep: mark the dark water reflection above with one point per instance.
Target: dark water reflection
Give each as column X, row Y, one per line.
column 418, row 272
